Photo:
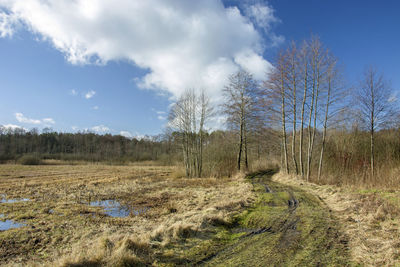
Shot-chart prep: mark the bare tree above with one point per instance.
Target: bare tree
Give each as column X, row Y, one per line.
column 293, row 80
column 376, row 105
column 335, row 99
column 276, row 88
column 240, row 107
column 188, row 116
column 318, row 57
column 304, row 55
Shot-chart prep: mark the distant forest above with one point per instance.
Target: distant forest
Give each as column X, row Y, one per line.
column 31, row 147
column 14, row 143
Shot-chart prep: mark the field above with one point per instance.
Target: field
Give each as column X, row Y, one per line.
column 61, row 228
column 103, row 215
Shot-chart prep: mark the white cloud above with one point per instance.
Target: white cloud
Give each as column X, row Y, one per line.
column 11, row 127
column 263, row 17
column 126, row 134
column 101, row 129
column 95, row 107
column 74, row 92
column 7, row 24
column 74, row 128
column 21, row 118
column 48, row 121
column 90, row 94
column 183, row 44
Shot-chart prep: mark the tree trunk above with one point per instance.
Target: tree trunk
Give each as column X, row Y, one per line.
column 285, row 156
column 324, row 133
column 245, row 148
column 310, row 139
column 294, row 122
column 372, row 153
column 302, row 122
column 240, row 145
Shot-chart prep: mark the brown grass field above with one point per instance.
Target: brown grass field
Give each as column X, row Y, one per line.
column 61, row 229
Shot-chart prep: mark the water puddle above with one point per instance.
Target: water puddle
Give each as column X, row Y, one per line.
column 9, row 224
column 114, row 209
column 12, row 200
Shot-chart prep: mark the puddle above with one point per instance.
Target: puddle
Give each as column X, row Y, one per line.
column 12, row 200
column 9, row 224
column 114, row 209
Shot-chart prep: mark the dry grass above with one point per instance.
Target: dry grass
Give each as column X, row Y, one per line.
column 63, row 230
column 370, row 218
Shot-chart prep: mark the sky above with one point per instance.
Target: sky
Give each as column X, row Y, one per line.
column 115, row 66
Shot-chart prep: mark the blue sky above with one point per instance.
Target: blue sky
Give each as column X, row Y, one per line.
column 135, row 79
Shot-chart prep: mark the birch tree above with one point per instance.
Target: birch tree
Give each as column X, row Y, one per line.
column 304, row 70
column 240, row 107
column 188, row 116
column 376, row 106
column 335, row 102
column 276, row 88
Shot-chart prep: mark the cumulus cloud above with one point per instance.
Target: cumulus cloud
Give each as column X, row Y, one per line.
column 90, row 94
column 263, row 17
column 74, row 92
column 182, row 44
column 101, row 129
column 23, row 119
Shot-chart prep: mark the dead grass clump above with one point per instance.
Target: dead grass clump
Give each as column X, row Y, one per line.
column 231, row 205
column 178, row 172
column 219, row 219
column 183, row 230
column 125, row 259
column 124, row 252
column 178, row 230
column 138, row 247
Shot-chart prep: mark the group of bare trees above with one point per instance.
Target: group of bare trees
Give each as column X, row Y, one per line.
column 304, row 95
column 309, row 92
column 305, row 83
column 189, row 116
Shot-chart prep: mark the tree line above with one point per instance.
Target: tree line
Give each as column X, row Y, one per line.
column 15, row 143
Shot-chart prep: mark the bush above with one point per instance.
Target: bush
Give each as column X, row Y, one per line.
column 30, row 160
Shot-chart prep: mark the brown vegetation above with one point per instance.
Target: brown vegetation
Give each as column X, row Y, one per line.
column 63, row 229
column 369, row 218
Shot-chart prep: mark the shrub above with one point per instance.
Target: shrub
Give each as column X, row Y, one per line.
column 30, row 160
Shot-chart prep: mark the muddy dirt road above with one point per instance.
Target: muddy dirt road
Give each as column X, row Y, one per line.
column 284, row 227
